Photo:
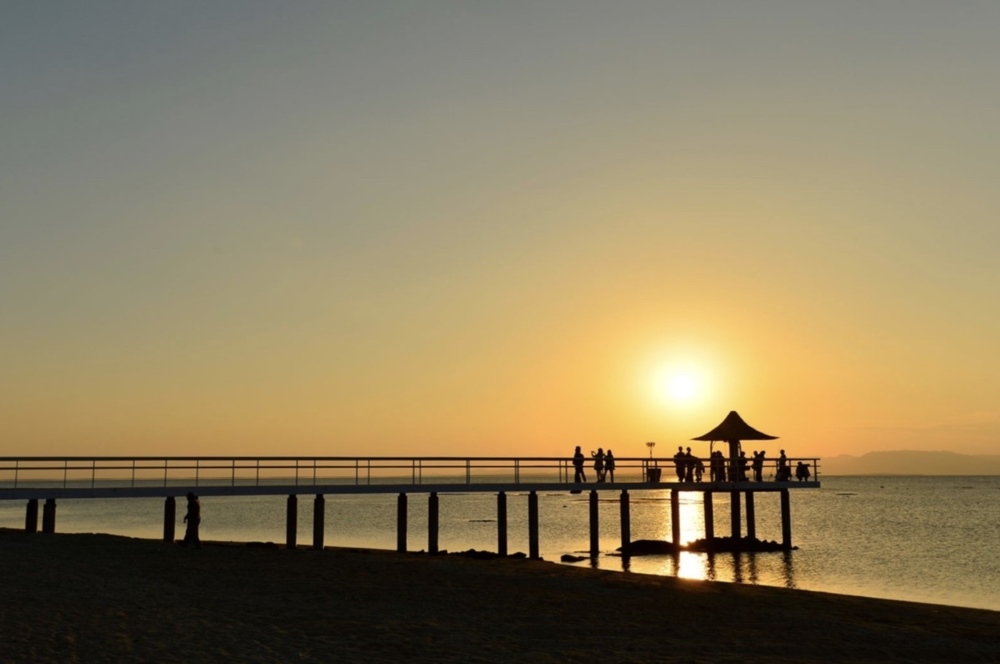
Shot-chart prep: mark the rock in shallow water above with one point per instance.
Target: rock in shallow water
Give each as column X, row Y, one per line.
column 714, row 545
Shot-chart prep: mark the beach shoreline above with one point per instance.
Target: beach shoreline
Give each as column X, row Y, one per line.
column 93, row 597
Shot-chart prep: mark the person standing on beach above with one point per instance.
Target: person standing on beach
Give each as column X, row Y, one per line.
column 193, row 520
column 578, row 460
column 609, row 465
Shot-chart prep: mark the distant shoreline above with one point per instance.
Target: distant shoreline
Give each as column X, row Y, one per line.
column 912, row 463
column 91, row 596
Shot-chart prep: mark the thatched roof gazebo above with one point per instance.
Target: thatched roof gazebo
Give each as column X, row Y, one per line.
column 732, row 430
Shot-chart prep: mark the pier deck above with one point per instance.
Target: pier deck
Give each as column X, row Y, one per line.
column 55, row 478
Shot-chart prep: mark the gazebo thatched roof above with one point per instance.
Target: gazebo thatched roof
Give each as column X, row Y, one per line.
column 734, row 428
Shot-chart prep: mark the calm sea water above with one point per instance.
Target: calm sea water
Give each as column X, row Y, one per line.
column 926, row 539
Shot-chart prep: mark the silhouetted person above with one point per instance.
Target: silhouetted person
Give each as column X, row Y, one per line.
column 743, row 464
column 802, row 471
column 689, row 466
column 599, row 464
column 578, row 460
column 193, row 520
column 717, row 464
column 758, row 465
column 609, row 464
column 680, row 464
column 699, row 470
column 784, row 471
column 713, row 468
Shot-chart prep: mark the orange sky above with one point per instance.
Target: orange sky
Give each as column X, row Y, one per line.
column 464, row 230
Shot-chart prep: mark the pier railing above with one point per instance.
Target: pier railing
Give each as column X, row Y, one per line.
column 132, row 472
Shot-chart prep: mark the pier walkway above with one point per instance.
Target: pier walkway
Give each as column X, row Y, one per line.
column 53, row 478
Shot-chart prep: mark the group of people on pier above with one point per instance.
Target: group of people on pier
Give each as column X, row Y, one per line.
column 604, row 465
column 690, row 468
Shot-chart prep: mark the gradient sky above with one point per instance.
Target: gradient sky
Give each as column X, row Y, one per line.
column 490, row 228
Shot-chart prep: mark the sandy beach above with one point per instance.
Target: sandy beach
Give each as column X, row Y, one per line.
column 97, row 598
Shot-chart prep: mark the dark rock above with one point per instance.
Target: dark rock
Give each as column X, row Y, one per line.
column 569, row 558
column 646, row 547
column 478, row 555
column 714, row 545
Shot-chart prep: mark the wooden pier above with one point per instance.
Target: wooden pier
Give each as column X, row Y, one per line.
column 49, row 479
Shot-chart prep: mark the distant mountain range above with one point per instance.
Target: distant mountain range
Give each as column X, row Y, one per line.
column 911, row 462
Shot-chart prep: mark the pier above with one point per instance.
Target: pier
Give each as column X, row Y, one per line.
column 46, row 480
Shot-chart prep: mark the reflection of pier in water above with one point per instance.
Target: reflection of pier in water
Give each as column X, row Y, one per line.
column 705, row 566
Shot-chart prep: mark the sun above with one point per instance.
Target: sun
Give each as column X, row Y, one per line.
column 682, row 387
column 678, row 386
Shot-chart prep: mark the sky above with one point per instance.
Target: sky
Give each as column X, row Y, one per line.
column 498, row 229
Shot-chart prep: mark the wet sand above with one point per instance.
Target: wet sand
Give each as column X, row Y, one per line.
column 103, row 598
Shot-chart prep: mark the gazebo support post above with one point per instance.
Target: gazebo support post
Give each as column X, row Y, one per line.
column 169, row 518
column 626, row 523
column 31, row 516
column 291, row 522
column 319, row 521
column 734, row 513
column 595, row 530
column 751, row 517
column 49, row 516
column 786, row 521
column 533, row 525
column 502, row 524
column 432, row 523
column 401, row 509
column 709, row 517
column 675, row 517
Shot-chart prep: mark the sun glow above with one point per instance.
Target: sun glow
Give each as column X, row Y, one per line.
column 679, row 386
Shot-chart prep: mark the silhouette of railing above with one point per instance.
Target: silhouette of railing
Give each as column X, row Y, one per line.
column 131, row 472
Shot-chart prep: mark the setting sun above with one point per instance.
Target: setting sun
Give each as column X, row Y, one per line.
column 678, row 386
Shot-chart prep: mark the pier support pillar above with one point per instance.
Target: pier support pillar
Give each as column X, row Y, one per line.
column 533, row 525
column 786, row 521
column 31, row 517
column 751, row 517
column 319, row 521
column 595, row 529
column 502, row 524
column 169, row 518
column 709, row 516
column 49, row 516
column 432, row 523
column 401, row 523
column 675, row 517
column 734, row 509
column 292, row 522
column 626, row 521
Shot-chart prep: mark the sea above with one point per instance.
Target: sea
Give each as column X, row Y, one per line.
column 922, row 539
